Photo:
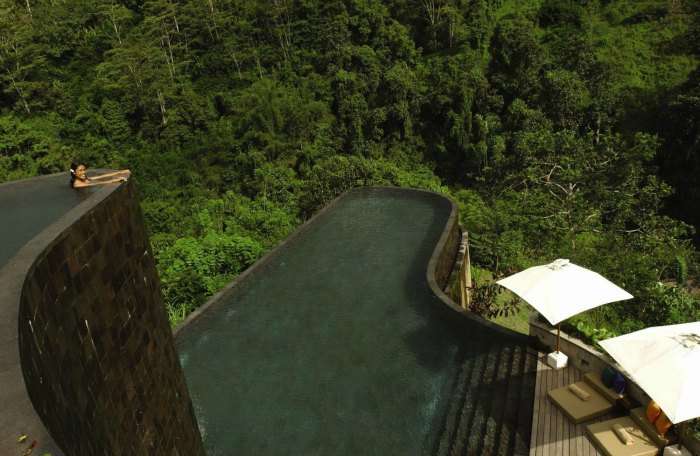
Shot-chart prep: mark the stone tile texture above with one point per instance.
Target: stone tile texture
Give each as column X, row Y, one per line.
column 96, row 348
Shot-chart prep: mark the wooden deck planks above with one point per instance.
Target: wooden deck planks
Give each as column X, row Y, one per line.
column 549, row 433
column 560, row 379
column 552, row 433
column 562, row 435
column 536, row 410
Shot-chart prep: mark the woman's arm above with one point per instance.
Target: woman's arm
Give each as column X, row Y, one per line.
column 102, row 176
column 80, row 184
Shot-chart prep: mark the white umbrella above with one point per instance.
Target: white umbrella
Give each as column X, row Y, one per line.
column 665, row 362
column 562, row 289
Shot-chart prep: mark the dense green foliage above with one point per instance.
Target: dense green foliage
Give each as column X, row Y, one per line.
column 562, row 127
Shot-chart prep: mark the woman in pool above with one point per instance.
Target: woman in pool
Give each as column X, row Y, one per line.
column 79, row 178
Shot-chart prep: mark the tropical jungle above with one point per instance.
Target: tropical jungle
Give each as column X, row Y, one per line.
column 562, row 128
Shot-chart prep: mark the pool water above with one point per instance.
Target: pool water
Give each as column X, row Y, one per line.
column 336, row 347
column 27, row 207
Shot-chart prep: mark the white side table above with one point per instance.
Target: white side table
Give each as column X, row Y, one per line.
column 672, row 450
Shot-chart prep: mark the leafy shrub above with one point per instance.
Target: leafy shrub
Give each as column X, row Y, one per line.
column 332, row 176
column 560, row 12
column 183, row 291
column 694, row 428
column 591, row 333
column 261, row 219
column 656, row 305
column 666, row 305
column 652, row 13
column 192, row 269
column 485, row 301
column 681, row 270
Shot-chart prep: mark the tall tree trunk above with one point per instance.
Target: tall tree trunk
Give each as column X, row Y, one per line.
column 235, row 62
column 257, row 62
column 177, row 26
column 675, row 7
column 161, row 102
column 283, row 26
column 212, row 12
column 137, row 79
column 166, row 44
column 451, row 31
column 432, row 10
column 113, row 19
column 20, row 94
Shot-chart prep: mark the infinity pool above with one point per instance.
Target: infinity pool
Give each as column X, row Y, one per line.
column 336, row 347
column 34, row 205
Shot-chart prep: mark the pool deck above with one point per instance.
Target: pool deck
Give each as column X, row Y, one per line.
column 553, row 433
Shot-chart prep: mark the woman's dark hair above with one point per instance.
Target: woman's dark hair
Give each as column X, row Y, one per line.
column 73, row 169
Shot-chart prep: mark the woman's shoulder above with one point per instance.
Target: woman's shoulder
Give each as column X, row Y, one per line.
column 77, row 183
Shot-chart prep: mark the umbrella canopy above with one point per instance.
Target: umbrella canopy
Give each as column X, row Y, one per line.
column 665, row 362
column 562, row 289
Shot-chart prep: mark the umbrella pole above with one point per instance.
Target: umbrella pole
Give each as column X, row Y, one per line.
column 558, row 335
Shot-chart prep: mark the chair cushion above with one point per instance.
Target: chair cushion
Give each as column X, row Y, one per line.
column 639, row 416
column 607, row 376
column 619, row 384
column 578, row 392
column 578, row 410
column 604, row 438
column 662, row 424
column 593, row 380
column 653, row 411
column 622, row 434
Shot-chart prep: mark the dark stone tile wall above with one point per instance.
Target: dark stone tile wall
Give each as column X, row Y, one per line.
column 96, row 347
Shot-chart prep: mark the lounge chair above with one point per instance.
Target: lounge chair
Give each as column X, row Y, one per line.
column 644, row 438
column 596, row 400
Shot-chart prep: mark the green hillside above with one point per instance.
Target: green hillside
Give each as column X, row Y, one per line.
column 564, row 129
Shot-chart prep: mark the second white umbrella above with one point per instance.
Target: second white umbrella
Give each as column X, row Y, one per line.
column 665, row 362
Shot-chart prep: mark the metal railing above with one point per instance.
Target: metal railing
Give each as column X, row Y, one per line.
column 465, row 272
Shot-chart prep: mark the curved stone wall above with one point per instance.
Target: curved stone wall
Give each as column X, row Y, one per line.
column 445, row 253
column 440, row 267
column 95, row 347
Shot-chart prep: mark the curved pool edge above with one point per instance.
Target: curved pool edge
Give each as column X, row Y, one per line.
column 58, row 375
column 18, row 409
column 259, row 264
column 441, row 257
column 449, row 241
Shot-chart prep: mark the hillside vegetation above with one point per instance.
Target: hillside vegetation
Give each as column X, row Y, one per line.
column 564, row 129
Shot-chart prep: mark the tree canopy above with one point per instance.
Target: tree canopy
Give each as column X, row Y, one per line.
column 562, row 128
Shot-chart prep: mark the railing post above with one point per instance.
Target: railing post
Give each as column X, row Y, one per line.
column 467, row 271
column 462, row 287
column 464, row 273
